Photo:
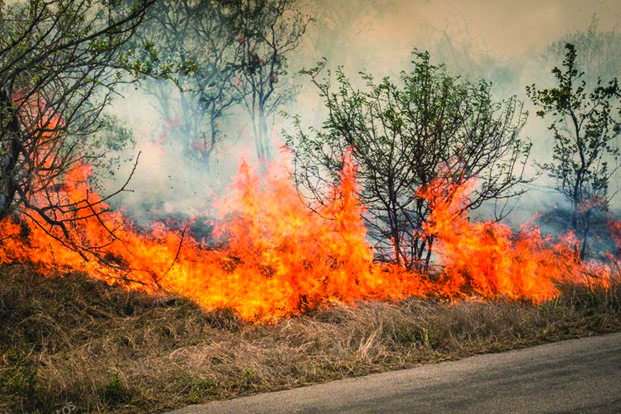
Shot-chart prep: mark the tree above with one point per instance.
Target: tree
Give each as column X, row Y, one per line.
column 405, row 135
column 60, row 62
column 268, row 30
column 198, row 55
column 217, row 54
column 585, row 140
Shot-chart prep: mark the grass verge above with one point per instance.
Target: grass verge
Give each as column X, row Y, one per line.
column 74, row 344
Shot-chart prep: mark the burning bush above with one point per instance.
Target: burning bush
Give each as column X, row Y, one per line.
column 405, row 134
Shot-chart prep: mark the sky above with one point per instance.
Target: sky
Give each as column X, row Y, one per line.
column 502, row 28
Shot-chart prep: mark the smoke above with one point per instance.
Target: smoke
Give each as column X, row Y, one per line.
column 167, row 180
column 511, row 44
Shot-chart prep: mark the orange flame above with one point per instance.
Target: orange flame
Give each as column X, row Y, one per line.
column 487, row 259
column 280, row 258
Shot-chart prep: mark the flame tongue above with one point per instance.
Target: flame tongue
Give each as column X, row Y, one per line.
column 487, row 259
column 281, row 258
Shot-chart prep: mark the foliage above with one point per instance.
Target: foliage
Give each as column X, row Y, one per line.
column 269, row 30
column 114, row 393
column 586, row 125
column 598, row 50
column 60, row 62
column 107, row 148
column 220, row 54
column 405, row 135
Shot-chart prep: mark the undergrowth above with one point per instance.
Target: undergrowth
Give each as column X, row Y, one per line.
column 72, row 344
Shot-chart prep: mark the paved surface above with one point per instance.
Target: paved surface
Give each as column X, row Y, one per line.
column 576, row 376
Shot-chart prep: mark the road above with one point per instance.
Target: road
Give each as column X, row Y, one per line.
column 575, row 376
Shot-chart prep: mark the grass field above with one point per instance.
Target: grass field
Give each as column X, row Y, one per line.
column 72, row 343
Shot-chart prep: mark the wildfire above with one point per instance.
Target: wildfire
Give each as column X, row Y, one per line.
column 488, row 259
column 280, row 258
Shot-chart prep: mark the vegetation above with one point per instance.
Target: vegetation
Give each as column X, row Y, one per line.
column 404, row 136
column 586, row 127
column 219, row 55
column 269, row 32
column 69, row 339
column 60, row 63
column 598, row 51
column 71, row 343
column 193, row 50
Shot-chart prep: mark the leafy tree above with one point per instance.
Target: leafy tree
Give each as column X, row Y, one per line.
column 198, row 54
column 60, row 62
column 585, row 140
column 403, row 136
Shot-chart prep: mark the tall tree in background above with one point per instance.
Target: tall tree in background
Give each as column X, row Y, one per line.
column 336, row 28
column 338, row 24
column 60, row 62
column 217, row 54
column 405, row 135
column 268, row 31
column 586, row 126
column 199, row 56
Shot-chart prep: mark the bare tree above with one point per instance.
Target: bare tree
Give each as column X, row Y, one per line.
column 405, row 136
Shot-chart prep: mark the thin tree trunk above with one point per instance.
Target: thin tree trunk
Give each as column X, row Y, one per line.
column 9, row 154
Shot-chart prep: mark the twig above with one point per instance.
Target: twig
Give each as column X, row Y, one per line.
column 177, row 255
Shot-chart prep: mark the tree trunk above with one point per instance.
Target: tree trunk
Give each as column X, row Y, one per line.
column 585, row 234
column 9, row 154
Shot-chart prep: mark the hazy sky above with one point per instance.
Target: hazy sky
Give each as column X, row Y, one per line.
column 503, row 28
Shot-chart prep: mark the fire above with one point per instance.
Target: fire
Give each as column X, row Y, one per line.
column 488, row 259
column 279, row 258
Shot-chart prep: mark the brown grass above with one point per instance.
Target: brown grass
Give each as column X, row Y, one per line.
column 72, row 339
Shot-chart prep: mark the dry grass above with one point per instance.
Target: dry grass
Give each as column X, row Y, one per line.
column 73, row 339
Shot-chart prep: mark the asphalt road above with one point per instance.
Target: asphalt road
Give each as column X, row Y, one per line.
column 576, row 376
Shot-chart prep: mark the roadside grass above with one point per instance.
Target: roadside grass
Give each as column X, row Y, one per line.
column 74, row 344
